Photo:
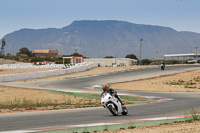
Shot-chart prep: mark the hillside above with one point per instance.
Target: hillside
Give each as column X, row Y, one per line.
column 102, row 38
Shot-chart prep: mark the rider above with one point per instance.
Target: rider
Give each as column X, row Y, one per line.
column 111, row 91
column 162, row 65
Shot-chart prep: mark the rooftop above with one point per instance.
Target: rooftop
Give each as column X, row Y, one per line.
column 45, row 51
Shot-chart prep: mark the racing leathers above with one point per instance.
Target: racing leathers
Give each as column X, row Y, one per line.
column 113, row 93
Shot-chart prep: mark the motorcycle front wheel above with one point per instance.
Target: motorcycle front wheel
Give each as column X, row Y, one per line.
column 113, row 110
column 125, row 111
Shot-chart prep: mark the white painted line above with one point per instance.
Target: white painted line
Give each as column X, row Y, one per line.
column 152, row 97
column 18, row 131
column 69, row 91
column 86, row 76
column 92, row 125
column 89, row 88
column 122, row 94
column 159, row 118
column 96, row 85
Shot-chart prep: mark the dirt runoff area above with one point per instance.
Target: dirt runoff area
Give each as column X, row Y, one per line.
column 193, row 127
column 182, row 82
column 13, row 71
column 25, row 100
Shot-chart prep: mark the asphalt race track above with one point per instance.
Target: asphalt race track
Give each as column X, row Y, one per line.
column 175, row 104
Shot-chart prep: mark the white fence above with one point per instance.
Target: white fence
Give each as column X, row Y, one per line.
column 33, row 75
column 29, row 66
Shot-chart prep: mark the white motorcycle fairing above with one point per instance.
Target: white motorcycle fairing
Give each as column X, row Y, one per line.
column 113, row 104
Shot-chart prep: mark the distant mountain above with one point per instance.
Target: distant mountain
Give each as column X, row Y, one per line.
column 104, row 38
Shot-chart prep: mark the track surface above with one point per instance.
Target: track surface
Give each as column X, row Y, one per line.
column 181, row 104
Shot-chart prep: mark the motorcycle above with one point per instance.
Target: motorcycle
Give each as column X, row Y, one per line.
column 162, row 67
column 113, row 104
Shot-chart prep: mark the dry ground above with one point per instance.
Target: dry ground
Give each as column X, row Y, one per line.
column 162, row 84
column 94, row 71
column 13, row 71
column 8, row 94
column 193, row 127
column 152, row 84
column 26, row 100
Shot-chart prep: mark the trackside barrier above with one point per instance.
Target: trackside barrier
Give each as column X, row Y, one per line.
column 29, row 66
column 33, row 75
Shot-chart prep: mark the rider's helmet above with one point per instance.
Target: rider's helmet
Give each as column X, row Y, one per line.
column 105, row 87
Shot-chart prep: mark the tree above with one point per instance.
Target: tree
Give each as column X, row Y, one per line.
column 108, row 57
column 25, row 51
column 2, row 55
column 36, row 59
column 131, row 56
column 76, row 54
column 146, row 61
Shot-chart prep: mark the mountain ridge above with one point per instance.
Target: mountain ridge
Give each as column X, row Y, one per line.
column 96, row 38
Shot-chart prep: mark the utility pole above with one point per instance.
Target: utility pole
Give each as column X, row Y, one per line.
column 140, row 51
column 191, row 47
column 99, row 50
column 84, row 54
column 115, row 60
column 190, row 57
column 75, row 50
column 196, row 52
column 2, row 46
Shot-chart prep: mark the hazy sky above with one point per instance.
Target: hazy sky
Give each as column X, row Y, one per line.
column 181, row 15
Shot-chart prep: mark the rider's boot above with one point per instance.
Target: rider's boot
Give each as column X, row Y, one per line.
column 122, row 104
column 120, row 100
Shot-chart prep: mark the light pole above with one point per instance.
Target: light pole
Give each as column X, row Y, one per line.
column 196, row 52
column 191, row 47
column 2, row 46
column 115, row 60
column 191, row 51
column 84, row 54
column 140, row 51
column 99, row 50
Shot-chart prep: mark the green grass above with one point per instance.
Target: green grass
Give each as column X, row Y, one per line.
column 195, row 114
column 76, row 94
column 132, row 99
column 191, row 84
column 125, row 99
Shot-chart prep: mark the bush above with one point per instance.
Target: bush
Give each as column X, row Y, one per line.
column 108, row 57
column 25, row 51
column 36, row 59
column 131, row 56
column 146, row 62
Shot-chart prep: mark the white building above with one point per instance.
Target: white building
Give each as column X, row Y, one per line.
column 191, row 56
column 113, row 61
